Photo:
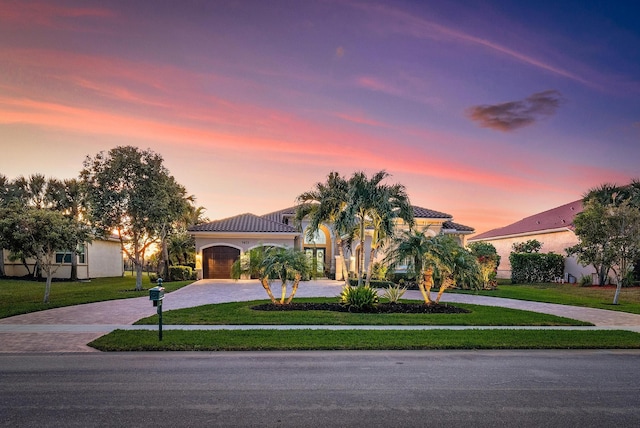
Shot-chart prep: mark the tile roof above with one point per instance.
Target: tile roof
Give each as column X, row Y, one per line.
column 420, row 212
column 277, row 215
column 556, row 218
column 457, row 227
column 274, row 222
column 244, row 223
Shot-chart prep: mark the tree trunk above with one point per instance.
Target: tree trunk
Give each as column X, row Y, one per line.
column 446, row 283
column 425, row 282
column 1, row 262
column 294, row 288
column 164, row 264
column 267, row 287
column 74, row 267
column 616, row 296
column 372, row 255
column 361, row 255
column 138, row 265
column 345, row 271
column 602, row 275
column 47, row 288
column 284, row 291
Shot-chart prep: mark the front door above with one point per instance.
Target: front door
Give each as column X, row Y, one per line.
column 316, row 258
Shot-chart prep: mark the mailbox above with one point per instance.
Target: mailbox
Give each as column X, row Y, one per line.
column 156, row 294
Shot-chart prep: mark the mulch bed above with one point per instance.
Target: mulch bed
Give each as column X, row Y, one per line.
column 382, row 308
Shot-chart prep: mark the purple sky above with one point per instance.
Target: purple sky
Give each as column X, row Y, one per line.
column 487, row 110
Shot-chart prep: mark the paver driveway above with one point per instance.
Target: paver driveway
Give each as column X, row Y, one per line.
column 69, row 329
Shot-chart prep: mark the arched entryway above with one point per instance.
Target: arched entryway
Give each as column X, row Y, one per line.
column 217, row 261
column 318, row 250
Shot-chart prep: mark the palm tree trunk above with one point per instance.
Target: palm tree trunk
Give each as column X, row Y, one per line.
column 294, row 288
column 446, row 283
column 267, row 287
column 425, row 282
column 345, row 272
column 361, row 255
column 372, row 255
column 284, row 291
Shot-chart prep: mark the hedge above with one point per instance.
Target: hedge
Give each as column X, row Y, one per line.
column 535, row 267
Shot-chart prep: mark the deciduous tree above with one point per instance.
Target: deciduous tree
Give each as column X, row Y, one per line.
column 131, row 192
column 40, row 233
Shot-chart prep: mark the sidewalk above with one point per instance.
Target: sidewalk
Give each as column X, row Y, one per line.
column 69, row 329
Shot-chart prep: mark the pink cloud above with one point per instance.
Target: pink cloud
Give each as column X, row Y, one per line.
column 46, row 14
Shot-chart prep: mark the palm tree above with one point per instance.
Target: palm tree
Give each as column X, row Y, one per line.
column 390, row 203
column 287, row 265
column 439, row 255
column 453, row 264
column 67, row 196
column 373, row 204
column 410, row 249
column 325, row 205
column 268, row 263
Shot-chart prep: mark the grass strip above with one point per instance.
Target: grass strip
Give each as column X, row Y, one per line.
column 289, row 340
column 240, row 313
column 567, row 294
column 21, row 297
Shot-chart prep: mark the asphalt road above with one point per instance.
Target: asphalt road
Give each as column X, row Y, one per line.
column 322, row 389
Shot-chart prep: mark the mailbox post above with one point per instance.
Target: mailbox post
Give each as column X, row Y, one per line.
column 156, row 295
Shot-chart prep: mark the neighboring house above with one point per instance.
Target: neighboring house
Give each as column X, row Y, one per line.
column 101, row 258
column 221, row 242
column 553, row 229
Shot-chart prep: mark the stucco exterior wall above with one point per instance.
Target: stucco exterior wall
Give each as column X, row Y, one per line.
column 555, row 242
column 102, row 259
column 244, row 244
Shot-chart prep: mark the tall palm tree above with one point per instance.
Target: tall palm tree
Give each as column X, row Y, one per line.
column 390, row 203
column 67, row 196
column 376, row 205
column 325, row 205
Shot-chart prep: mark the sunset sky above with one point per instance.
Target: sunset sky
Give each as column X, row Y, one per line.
column 487, row 110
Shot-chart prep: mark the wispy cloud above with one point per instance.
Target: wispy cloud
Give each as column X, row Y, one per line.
column 48, row 15
column 512, row 115
column 409, row 89
column 402, row 22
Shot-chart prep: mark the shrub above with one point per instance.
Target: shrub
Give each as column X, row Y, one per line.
column 535, row 267
column 379, row 271
column 373, row 283
column 585, row 281
column 359, row 299
column 180, row 273
column 394, row 293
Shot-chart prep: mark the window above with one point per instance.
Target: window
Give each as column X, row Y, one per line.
column 65, row 256
column 319, row 238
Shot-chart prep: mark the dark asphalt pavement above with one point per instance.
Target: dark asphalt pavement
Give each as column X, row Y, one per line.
column 322, row 389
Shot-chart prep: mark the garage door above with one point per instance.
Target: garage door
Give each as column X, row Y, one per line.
column 217, row 262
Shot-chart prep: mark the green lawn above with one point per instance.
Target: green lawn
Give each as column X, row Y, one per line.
column 20, row 297
column 568, row 294
column 265, row 340
column 241, row 313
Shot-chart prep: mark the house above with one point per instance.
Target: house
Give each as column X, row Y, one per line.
column 221, row 242
column 100, row 258
column 553, row 229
